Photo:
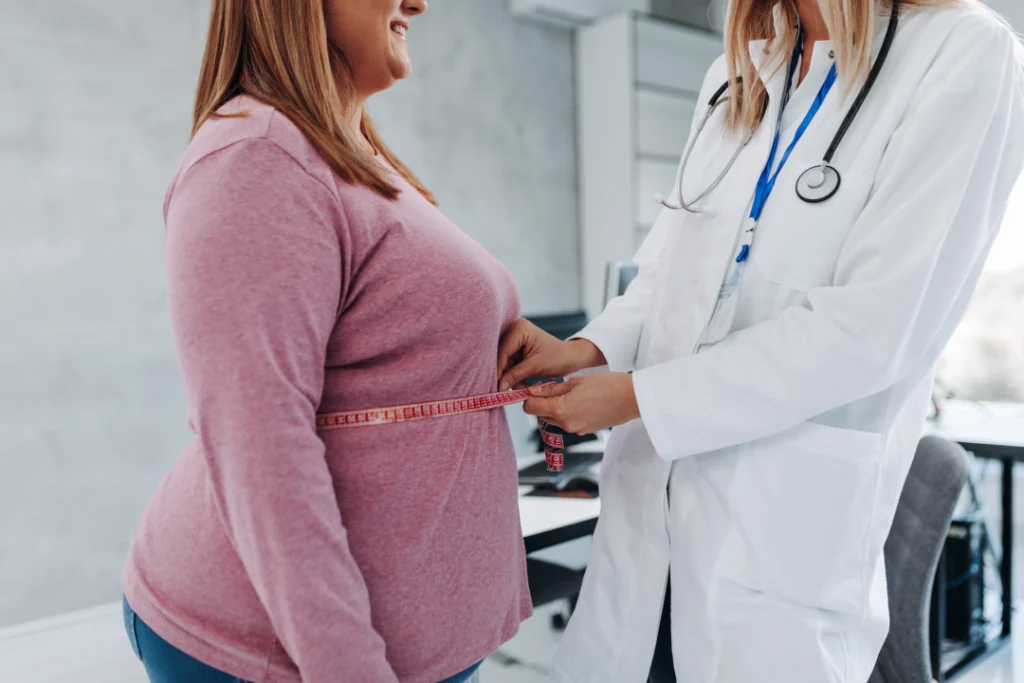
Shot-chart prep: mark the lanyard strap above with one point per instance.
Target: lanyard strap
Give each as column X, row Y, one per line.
column 766, row 183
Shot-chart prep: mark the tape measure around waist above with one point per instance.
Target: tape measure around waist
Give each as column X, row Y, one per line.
column 554, row 444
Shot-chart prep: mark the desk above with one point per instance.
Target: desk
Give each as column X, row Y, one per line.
column 550, row 521
column 993, row 431
column 90, row 646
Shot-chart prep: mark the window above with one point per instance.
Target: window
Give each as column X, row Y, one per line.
column 985, row 357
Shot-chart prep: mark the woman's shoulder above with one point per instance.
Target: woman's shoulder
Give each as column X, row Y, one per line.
column 245, row 128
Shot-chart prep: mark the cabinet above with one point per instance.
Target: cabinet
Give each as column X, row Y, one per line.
column 637, row 84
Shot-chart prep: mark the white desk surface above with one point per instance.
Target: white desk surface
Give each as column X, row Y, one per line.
column 540, row 514
column 989, row 423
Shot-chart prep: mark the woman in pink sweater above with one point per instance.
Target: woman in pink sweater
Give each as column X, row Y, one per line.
column 309, row 272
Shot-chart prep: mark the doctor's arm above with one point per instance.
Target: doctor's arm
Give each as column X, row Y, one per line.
column 902, row 281
column 616, row 332
column 609, row 340
column 612, row 338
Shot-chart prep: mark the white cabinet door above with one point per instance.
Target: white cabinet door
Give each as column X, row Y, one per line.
column 639, row 235
column 673, row 57
column 663, row 123
column 653, row 177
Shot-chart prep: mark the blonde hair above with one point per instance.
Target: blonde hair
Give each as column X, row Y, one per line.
column 851, row 25
column 278, row 52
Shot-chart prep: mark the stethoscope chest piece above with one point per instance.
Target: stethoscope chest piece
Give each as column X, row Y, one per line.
column 818, row 184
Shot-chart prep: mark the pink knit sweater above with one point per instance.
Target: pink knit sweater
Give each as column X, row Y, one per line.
column 370, row 555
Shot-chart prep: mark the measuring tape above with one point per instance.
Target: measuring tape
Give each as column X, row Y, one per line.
column 554, row 444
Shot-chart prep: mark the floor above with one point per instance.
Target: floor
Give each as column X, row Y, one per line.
column 95, row 650
column 532, row 650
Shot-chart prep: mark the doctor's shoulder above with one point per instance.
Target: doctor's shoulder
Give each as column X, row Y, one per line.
column 970, row 45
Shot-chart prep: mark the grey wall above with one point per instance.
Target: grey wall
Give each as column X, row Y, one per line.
column 705, row 14
column 95, row 98
column 95, row 113
column 488, row 121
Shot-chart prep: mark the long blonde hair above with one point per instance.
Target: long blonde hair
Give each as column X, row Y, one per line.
column 851, row 25
column 278, row 53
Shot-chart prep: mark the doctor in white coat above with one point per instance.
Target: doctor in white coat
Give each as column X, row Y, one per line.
column 768, row 388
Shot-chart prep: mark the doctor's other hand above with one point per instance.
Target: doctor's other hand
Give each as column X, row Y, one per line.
column 584, row 405
column 527, row 351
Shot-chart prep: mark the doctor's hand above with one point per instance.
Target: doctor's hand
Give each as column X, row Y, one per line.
column 527, row 351
column 584, row 405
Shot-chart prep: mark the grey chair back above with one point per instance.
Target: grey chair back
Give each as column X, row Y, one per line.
column 912, row 550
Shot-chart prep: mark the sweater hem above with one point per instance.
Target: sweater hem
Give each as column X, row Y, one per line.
column 255, row 668
column 240, row 664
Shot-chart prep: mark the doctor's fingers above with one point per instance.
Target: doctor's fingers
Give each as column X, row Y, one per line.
column 514, row 378
column 552, row 389
column 550, row 409
column 557, row 411
column 554, row 412
column 512, row 345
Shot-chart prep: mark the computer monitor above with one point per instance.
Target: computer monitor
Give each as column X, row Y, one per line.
column 562, row 325
column 617, row 279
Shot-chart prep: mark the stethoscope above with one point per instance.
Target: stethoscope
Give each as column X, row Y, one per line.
column 816, row 184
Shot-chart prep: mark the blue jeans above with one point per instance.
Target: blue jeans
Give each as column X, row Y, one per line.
column 167, row 664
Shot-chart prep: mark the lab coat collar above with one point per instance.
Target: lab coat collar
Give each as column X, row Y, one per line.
column 773, row 72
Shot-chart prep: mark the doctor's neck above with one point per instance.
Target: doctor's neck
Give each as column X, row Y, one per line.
column 813, row 23
column 812, row 20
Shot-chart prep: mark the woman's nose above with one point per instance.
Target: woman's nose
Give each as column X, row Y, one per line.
column 415, row 6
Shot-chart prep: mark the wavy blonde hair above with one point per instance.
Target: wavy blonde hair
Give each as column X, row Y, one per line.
column 851, row 25
column 278, row 52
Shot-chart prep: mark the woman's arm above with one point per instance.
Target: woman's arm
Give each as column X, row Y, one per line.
column 903, row 279
column 254, row 282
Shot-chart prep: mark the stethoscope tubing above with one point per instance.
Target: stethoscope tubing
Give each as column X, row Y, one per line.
column 825, row 169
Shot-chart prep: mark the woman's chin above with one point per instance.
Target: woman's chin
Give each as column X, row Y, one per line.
column 401, row 68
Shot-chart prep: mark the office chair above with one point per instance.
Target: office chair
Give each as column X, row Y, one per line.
column 912, row 551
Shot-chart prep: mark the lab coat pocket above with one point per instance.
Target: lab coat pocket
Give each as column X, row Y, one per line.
column 804, row 501
column 798, row 243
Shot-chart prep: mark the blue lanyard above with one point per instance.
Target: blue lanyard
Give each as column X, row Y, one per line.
column 766, row 183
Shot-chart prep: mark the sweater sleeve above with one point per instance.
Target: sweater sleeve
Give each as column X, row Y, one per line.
column 254, row 274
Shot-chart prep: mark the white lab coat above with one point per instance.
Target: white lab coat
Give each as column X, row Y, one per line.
column 765, row 469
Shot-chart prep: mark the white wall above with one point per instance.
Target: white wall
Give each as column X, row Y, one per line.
column 95, row 99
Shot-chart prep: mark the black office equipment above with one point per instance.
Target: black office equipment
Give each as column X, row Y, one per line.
column 561, row 325
column 965, row 584
column 576, row 466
